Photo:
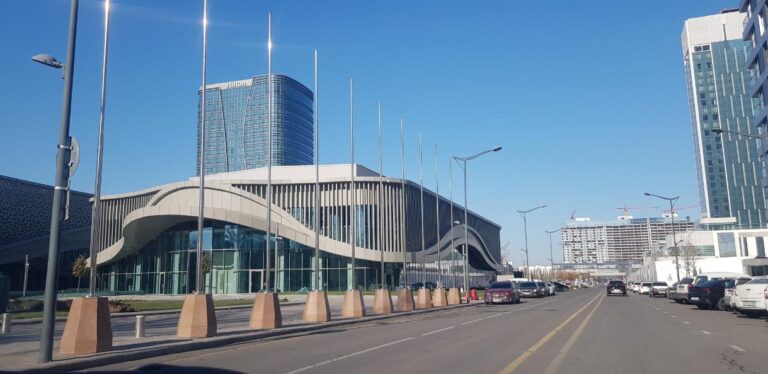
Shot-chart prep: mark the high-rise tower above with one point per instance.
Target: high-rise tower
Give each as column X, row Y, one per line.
column 236, row 124
column 728, row 165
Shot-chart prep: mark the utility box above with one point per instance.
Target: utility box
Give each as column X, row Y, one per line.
column 5, row 290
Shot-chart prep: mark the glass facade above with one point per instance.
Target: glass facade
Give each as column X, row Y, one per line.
column 236, row 122
column 729, row 166
column 166, row 265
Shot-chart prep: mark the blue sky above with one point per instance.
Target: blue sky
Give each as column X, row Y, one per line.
column 587, row 97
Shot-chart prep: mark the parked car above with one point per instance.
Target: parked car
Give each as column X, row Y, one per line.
column 672, row 291
column 560, row 287
column 703, row 277
column 529, row 289
column 636, row 287
column 709, row 294
column 644, row 288
column 502, row 292
column 616, row 287
column 542, row 288
column 430, row 285
column 681, row 293
column 658, row 288
column 551, row 289
column 729, row 298
column 751, row 297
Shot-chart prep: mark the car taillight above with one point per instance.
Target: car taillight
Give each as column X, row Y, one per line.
column 690, row 285
column 765, row 293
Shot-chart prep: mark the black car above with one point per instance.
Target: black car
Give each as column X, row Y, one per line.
column 616, row 287
column 529, row 289
column 560, row 287
column 416, row 286
column 709, row 294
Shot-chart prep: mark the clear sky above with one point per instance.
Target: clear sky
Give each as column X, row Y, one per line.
column 587, row 97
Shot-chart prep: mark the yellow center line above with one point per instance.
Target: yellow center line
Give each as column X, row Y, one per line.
column 554, row 366
column 524, row 356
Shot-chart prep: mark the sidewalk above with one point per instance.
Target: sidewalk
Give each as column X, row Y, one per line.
column 20, row 349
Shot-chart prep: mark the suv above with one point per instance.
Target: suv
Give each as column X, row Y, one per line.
column 658, row 288
column 681, row 293
column 616, row 287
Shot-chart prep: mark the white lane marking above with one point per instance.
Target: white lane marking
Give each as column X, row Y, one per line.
column 472, row 321
column 705, row 332
column 737, row 348
column 436, row 331
column 686, row 322
column 349, row 355
column 666, row 313
column 674, row 316
column 493, row 316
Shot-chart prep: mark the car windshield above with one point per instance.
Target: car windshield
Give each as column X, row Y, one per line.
column 527, row 285
column 659, row 284
column 757, row 281
column 645, row 285
column 496, row 285
column 686, row 281
column 615, row 283
column 712, row 283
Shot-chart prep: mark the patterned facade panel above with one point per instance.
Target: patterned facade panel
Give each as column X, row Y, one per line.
column 25, row 210
column 113, row 212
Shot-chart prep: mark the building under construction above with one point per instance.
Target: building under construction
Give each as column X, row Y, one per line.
column 623, row 240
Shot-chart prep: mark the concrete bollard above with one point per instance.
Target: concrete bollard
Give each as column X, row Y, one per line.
column 140, row 327
column 6, row 326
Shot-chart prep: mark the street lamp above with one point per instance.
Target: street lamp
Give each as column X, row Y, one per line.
column 527, row 274
column 525, row 230
column 551, row 256
column 462, row 161
column 60, row 185
column 672, row 201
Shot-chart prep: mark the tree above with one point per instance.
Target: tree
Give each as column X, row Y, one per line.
column 79, row 267
column 207, row 265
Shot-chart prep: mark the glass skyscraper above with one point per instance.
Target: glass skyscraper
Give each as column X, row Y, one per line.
column 728, row 165
column 236, row 124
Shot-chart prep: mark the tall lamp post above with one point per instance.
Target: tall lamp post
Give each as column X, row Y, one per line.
column 551, row 256
column 525, row 230
column 672, row 201
column 462, row 161
column 63, row 153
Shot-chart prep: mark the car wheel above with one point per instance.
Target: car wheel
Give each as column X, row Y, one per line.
column 720, row 304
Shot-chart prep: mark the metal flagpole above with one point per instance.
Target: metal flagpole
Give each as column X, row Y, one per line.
column 421, row 183
column 269, row 157
column 199, row 281
column 96, row 210
column 402, row 202
column 437, row 217
column 352, row 189
column 381, row 205
column 318, row 287
column 453, row 249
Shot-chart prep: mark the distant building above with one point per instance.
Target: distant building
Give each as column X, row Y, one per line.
column 619, row 241
column 236, row 117
column 728, row 165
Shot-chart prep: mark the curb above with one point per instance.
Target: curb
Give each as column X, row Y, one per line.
column 108, row 358
column 31, row 321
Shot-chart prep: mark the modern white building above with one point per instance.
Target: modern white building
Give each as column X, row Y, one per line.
column 738, row 251
column 147, row 239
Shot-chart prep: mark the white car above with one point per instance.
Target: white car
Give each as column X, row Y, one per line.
column 645, row 288
column 658, row 289
column 636, row 287
column 751, row 297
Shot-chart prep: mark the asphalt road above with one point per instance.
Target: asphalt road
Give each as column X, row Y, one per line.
column 580, row 331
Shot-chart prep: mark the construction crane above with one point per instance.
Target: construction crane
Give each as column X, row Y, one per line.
column 626, row 211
